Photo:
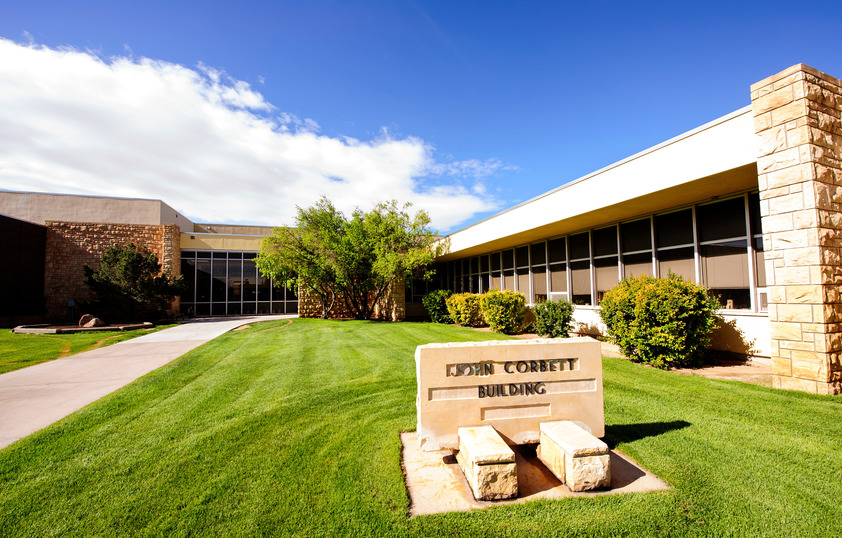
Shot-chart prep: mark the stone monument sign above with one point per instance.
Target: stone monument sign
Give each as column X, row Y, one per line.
column 511, row 385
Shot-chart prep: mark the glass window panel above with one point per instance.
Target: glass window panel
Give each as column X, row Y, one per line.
column 292, row 308
column 264, row 308
column 235, row 255
column 754, row 212
column 539, row 253
column 203, row 281
column 680, row 261
column 474, row 265
column 220, row 255
column 604, row 241
column 674, row 228
column 291, row 293
column 539, row 284
column 465, row 284
column 607, row 275
column 558, row 278
column 218, row 309
column 509, row 280
column 474, row 284
column 508, row 259
column 264, row 288
column 636, row 235
column 204, row 254
column 218, row 283
column 556, row 250
column 188, row 270
column 522, row 256
column 249, row 309
column 233, row 309
column 721, row 220
column 637, row 264
column 203, row 309
column 249, row 280
column 523, row 281
column 277, row 307
column 235, row 280
column 495, row 261
column 580, row 275
column 483, row 264
column 249, row 255
column 759, row 263
column 579, row 246
column 496, row 281
column 725, row 270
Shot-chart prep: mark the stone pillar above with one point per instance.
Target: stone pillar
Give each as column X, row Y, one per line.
column 798, row 122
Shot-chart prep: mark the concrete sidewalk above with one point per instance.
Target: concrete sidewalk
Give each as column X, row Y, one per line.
column 35, row 397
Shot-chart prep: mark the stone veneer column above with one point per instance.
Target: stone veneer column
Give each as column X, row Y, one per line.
column 798, row 121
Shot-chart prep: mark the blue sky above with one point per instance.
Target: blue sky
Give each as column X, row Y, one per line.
column 484, row 104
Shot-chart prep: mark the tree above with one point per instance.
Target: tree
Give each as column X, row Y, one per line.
column 358, row 258
column 129, row 283
column 302, row 255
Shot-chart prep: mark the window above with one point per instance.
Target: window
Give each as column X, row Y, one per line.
column 228, row 283
column 580, row 268
column 605, row 260
column 636, row 243
column 556, row 252
column 675, row 244
column 723, row 246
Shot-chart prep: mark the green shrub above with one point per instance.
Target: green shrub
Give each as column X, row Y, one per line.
column 503, row 310
column 464, row 309
column 665, row 322
column 435, row 303
column 553, row 318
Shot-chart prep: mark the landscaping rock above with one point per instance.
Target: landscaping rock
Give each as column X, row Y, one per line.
column 84, row 319
column 94, row 322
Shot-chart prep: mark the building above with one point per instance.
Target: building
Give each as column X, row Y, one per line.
column 748, row 205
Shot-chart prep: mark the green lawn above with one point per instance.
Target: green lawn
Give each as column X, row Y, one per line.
column 22, row 350
column 293, row 430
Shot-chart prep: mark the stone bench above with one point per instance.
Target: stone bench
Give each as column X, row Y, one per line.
column 574, row 456
column 487, row 462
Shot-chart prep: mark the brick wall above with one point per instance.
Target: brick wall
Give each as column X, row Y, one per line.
column 71, row 245
column 393, row 306
column 798, row 120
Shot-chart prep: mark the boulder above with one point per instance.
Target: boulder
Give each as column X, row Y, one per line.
column 84, row 319
column 94, row 322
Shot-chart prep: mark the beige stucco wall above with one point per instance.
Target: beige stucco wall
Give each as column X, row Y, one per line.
column 41, row 207
column 212, row 241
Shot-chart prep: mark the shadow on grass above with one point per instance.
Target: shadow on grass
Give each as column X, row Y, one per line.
column 627, row 433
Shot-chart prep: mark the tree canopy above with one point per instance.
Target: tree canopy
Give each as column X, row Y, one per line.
column 356, row 258
column 129, row 283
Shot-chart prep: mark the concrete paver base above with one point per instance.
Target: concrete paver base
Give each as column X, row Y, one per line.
column 35, row 397
column 436, row 484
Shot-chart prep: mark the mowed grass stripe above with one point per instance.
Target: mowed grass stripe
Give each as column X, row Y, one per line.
column 294, row 431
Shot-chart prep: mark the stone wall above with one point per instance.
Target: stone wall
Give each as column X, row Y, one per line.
column 71, row 245
column 798, row 120
column 392, row 309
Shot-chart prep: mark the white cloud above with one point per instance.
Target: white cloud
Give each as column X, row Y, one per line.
column 205, row 143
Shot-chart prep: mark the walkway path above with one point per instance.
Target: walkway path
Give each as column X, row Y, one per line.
column 35, row 397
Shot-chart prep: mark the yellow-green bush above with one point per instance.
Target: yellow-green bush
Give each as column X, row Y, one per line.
column 553, row 318
column 503, row 310
column 464, row 309
column 665, row 322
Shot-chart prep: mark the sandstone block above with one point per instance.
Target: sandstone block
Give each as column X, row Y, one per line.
column 788, row 112
column 574, row 456
column 487, row 462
